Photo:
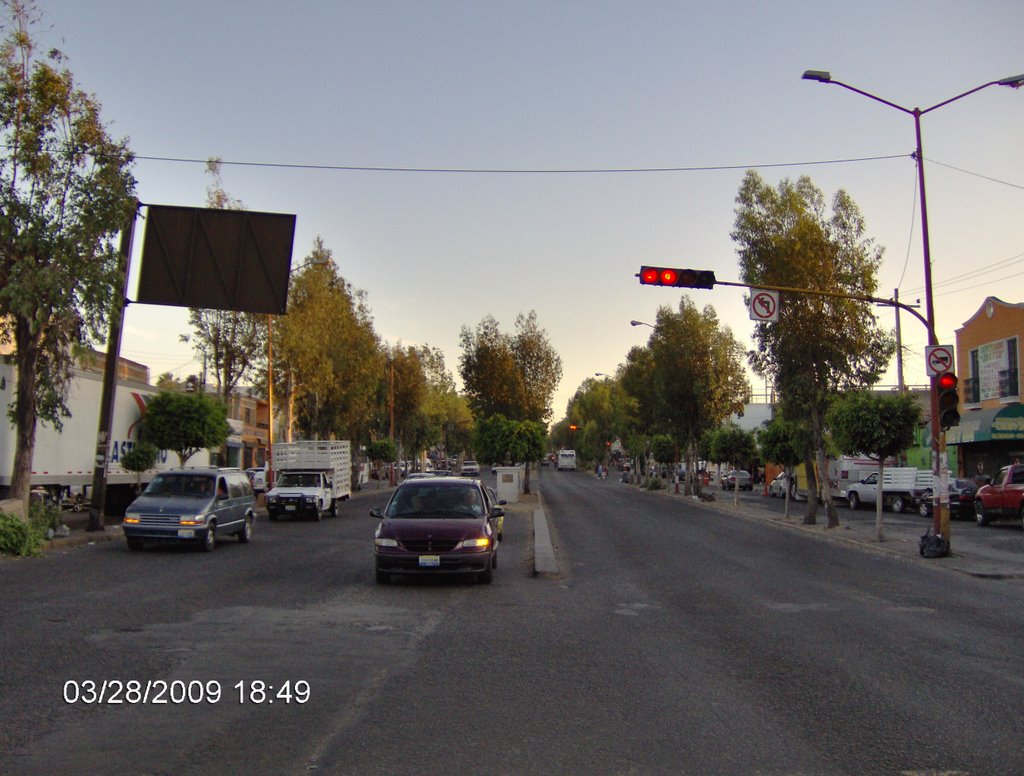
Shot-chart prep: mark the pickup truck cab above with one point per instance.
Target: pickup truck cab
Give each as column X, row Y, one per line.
column 1003, row 498
column 300, row 494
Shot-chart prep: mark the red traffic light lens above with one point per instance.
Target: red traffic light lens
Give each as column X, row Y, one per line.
column 947, row 381
column 649, row 275
column 668, row 277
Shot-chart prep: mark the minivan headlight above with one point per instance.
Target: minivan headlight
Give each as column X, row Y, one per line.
column 479, row 543
column 192, row 520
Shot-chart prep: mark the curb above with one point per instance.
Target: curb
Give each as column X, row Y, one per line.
column 544, row 561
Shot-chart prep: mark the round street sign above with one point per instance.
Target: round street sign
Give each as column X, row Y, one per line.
column 938, row 359
column 764, row 306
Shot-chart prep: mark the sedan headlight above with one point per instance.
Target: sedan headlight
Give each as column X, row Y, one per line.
column 385, row 542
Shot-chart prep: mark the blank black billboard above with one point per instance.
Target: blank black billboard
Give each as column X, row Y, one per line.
column 216, row 259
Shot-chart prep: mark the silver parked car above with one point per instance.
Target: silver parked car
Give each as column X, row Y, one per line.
column 745, row 480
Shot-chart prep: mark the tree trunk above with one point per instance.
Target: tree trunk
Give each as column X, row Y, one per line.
column 26, row 412
column 526, row 478
column 818, row 434
column 811, row 514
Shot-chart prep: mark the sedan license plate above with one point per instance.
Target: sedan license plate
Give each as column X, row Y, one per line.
column 186, row 533
column 430, row 560
column 289, row 508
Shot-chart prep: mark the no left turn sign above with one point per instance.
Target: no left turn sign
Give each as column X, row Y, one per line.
column 764, row 306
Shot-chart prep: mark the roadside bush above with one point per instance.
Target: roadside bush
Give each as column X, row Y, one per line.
column 44, row 515
column 654, row 483
column 18, row 537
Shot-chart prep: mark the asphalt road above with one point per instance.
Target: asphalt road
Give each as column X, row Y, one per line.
column 676, row 638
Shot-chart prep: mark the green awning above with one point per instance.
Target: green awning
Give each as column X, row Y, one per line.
column 989, row 425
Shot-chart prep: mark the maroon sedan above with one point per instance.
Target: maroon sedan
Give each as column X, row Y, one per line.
column 443, row 525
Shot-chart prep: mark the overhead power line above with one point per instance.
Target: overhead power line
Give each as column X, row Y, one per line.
column 512, row 171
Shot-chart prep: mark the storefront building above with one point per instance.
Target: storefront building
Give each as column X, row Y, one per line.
column 991, row 430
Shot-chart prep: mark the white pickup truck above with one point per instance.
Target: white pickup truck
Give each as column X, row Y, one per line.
column 312, row 477
column 902, row 488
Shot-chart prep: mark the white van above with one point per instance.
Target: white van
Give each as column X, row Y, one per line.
column 567, row 460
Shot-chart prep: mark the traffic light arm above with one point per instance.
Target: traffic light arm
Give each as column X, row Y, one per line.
column 834, row 295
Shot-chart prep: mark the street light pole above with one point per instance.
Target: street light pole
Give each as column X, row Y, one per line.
column 941, row 519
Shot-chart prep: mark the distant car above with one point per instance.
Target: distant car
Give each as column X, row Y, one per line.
column 961, row 500
column 745, row 480
column 778, row 486
column 470, row 469
column 443, row 525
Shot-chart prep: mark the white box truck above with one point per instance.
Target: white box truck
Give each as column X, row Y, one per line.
column 62, row 461
column 310, row 478
column 567, row 460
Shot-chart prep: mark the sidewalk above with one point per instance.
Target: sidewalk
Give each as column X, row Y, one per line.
column 994, row 552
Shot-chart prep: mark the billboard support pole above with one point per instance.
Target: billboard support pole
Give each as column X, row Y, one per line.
column 99, row 473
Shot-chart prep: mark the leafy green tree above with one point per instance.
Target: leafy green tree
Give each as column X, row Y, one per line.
column 141, row 458
column 185, row 423
column 691, row 378
column 783, row 442
column 500, row 440
column 821, row 345
column 877, row 425
column 233, row 344
column 605, row 410
column 734, row 444
column 382, row 451
column 663, row 448
column 326, row 344
column 490, row 439
column 66, row 190
column 538, row 365
column 514, row 375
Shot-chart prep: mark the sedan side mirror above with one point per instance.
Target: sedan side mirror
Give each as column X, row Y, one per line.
column 375, row 512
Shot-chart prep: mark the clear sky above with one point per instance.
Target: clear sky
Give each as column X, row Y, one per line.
column 552, row 85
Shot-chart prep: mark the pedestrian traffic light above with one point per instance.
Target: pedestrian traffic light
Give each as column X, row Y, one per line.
column 949, row 400
column 675, row 277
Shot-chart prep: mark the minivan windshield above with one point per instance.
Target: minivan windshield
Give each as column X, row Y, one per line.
column 185, row 485
column 430, row 502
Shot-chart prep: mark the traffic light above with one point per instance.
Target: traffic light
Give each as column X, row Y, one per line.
column 949, row 400
column 675, row 277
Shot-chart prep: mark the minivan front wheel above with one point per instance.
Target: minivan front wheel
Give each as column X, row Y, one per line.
column 210, row 540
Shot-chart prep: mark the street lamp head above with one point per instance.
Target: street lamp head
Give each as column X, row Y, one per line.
column 823, row 76
column 1014, row 81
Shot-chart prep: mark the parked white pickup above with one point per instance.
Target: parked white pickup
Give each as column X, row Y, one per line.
column 902, row 488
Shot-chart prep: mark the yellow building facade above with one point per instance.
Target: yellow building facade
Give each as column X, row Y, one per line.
column 988, row 356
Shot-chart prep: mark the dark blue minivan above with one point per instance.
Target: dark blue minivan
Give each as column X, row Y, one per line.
column 193, row 506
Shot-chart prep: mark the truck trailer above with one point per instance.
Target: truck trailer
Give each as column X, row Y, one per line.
column 63, row 461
